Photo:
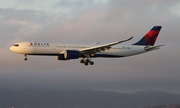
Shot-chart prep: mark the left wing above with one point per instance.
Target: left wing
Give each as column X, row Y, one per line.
column 95, row 49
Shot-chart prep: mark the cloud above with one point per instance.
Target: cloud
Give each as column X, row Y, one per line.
column 16, row 22
column 103, row 22
column 175, row 9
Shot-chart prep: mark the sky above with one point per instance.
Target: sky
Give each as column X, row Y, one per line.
column 86, row 22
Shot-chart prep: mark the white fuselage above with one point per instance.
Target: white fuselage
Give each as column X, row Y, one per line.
column 52, row 49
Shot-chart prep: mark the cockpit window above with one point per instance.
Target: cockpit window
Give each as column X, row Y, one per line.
column 16, row 45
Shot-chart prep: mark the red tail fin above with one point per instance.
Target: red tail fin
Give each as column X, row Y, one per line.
column 150, row 37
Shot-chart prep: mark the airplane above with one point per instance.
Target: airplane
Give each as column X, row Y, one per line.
column 86, row 52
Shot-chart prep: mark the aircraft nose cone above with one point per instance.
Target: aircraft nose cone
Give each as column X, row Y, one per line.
column 11, row 48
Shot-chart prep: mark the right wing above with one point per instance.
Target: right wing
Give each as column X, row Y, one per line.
column 95, row 49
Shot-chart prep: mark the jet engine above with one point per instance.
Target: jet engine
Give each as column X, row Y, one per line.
column 69, row 54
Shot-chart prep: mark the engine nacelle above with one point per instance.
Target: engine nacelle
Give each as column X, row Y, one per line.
column 61, row 57
column 69, row 54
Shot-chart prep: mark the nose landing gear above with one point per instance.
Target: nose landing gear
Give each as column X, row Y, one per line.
column 25, row 59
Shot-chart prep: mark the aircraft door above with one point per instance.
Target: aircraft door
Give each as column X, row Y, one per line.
column 25, row 46
column 54, row 47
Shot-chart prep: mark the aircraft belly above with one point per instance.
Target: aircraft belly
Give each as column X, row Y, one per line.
column 120, row 53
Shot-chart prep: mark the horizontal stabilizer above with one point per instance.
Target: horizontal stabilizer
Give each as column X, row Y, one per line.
column 150, row 48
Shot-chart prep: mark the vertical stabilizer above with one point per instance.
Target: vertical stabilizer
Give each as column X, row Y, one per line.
column 150, row 37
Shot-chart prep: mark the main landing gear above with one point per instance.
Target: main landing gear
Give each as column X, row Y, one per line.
column 87, row 62
column 25, row 57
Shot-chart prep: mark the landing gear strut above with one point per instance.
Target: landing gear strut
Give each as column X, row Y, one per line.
column 25, row 58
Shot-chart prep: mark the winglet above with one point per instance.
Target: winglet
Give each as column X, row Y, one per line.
column 126, row 40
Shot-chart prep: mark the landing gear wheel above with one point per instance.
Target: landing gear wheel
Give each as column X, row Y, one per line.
column 82, row 61
column 25, row 59
column 86, row 63
column 91, row 63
